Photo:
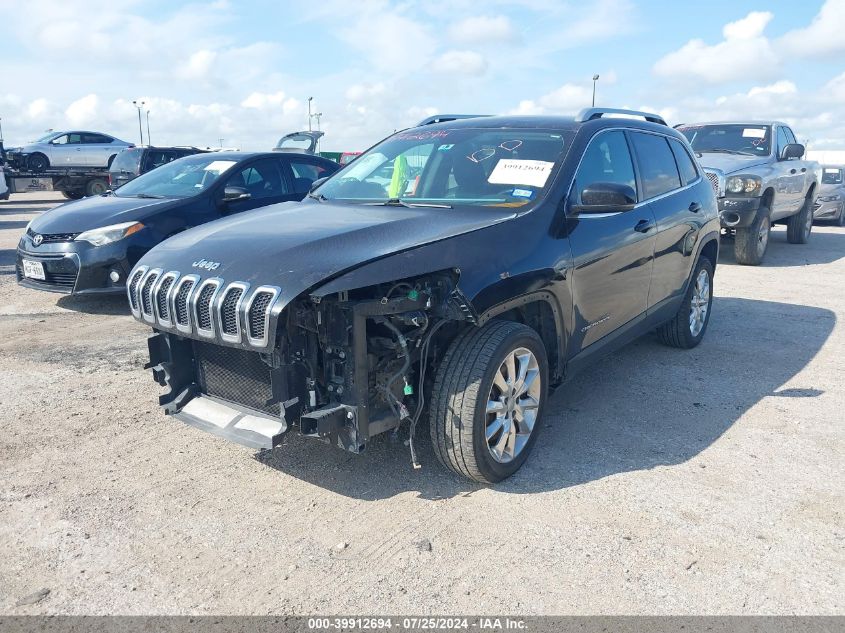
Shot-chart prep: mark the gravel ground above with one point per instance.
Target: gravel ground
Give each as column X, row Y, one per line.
column 708, row 481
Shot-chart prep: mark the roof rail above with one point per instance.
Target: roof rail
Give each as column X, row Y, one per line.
column 589, row 114
column 442, row 118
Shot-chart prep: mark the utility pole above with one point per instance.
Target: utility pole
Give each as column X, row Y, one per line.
column 595, row 79
column 139, row 107
column 149, row 142
column 317, row 116
column 221, row 142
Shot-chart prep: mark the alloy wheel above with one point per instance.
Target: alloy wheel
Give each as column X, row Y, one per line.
column 763, row 237
column 700, row 303
column 513, row 404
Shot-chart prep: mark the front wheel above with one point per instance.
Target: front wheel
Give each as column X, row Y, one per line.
column 73, row 194
column 488, row 400
column 799, row 226
column 840, row 221
column 687, row 327
column 750, row 243
column 38, row 163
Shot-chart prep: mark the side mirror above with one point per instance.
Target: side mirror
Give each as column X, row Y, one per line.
column 317, row 183
column 234, row 194
column 793, row 150
column 604, row 197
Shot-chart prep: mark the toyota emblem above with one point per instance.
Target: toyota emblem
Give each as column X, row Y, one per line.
column 38, row 239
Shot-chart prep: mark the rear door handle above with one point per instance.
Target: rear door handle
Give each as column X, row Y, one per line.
column 791, row 171
column 644, row 226
column 694, row 207
column 803, row 169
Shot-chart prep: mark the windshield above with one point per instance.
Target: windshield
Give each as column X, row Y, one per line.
column 486, row 167
column 127, row 160
column 46, row 138
column 832, row 176
column 182, row 178
column 754, row 140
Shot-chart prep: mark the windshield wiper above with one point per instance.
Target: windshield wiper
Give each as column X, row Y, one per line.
column 318, row 197
column 724, row 151
column 396, row 202
column 147, row 195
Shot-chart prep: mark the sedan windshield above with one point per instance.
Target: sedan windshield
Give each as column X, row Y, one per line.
column 182, row 178
column 442, row 168
column 754, row 140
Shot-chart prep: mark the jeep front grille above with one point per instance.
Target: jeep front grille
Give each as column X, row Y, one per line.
column 209, row 308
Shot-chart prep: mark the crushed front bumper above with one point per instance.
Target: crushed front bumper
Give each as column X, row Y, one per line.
column 828, row 210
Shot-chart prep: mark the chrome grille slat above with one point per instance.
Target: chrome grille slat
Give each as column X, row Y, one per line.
column 132, row 290
column 180, row 303
column 229, row 311
column 203, row 304
column 257, row 313
column 161, row 297
column 145, row 302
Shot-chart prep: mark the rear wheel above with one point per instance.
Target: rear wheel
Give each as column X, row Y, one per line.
column 96, row 186
column 750, row 243
column 488, row 399
column 799, row 226
column 38, row 162
column 687, row 328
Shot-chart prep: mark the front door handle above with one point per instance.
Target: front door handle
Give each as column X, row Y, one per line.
column 644, row 226
column 694, row 207
column 803, row 169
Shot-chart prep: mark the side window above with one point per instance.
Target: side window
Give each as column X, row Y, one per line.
column 60, row 140
column 304, row 174
column 74, row 138
column 262, row 179
column 782, row 140
column 607, row 159
column 658, row 170
column 789, row 135
column 95, row 138
column 156, row 158
column 686, row 166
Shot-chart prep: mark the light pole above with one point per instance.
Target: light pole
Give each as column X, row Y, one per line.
column 595, row 79
column 310, row 99
column 149, row 142
column 139, row 106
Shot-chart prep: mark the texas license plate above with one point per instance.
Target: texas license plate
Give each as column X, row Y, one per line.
column 33, row 270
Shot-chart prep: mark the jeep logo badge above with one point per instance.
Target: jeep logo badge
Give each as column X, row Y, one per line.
column 204, row 263
column 37, row 239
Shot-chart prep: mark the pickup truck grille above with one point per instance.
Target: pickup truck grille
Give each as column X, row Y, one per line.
column 717, row 181
column 210, row 308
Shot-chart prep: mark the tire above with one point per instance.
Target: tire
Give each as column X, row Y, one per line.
column 679, row 332
column 840, row 221
column 96, row 186
column 38, row 162
column 750, row 243
column 73, row 195
column 464, row 384
column 110, row 160
column 800, row 225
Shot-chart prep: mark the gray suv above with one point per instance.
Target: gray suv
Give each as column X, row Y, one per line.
column 830, row 205
column 760, row 178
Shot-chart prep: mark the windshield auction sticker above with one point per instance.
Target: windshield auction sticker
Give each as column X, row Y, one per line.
column 512, row 171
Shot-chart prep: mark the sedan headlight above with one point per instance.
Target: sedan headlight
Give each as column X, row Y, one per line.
column 743, row 184
column 833, row 198
column 109, row 234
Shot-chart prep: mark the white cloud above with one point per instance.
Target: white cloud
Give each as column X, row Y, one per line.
column 483, row 29
column 262, row 100
column 460, row 63
column 781, row 87
column 390, row 41
column 825, row 36
column 37, row 108
column 745, row 52
column 567, row 99
column 198, row 65
column 83, row 111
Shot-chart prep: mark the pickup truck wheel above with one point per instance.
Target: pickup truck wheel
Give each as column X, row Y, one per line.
column 687, row 328
column 38, row 163
column 799, row 226
column 75, row 194
column 750, row 243
column 488, row 399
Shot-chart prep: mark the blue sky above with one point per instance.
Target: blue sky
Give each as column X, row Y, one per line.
column 242, row 71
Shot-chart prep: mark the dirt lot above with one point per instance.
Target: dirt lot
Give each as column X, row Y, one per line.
column 708, row 481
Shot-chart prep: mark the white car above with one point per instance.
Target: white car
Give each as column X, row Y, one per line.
column 67, row 149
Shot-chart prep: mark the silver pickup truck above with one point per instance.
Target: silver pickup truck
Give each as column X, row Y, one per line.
column 760, row 178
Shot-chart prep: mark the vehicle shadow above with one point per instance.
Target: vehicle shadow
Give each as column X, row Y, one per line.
column 825, row 246
column 9, row 225
column 8, row 257
column 116, row 304
column 645, row 406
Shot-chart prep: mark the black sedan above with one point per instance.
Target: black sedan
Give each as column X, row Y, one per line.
column 89, row 246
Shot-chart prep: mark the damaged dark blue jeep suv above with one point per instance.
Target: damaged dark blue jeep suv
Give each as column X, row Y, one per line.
column 458, row 270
